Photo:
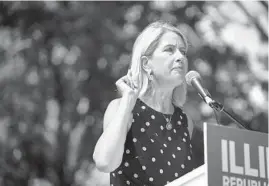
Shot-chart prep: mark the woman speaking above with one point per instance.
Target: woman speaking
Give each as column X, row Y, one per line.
column 146, row 134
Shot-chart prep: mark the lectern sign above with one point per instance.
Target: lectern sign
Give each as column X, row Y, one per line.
column 235, row 157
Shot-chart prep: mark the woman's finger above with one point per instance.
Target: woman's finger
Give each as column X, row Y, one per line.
column 129, row 74
column 121, row 80
column 123, row 83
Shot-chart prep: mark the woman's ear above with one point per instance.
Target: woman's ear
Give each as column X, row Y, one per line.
column 145, row 64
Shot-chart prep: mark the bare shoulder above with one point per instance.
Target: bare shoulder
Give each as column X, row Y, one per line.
column 111, row 111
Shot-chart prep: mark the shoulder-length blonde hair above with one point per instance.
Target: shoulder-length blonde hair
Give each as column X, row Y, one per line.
column 145, row 45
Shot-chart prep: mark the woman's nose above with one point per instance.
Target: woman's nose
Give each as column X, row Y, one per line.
column 179, row 56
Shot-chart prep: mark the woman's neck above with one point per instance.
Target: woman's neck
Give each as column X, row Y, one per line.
column 159, row 99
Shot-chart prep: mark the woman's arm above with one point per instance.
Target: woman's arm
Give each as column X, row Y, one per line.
column 109, row 149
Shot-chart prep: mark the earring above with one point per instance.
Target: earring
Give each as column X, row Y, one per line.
column 150, row 75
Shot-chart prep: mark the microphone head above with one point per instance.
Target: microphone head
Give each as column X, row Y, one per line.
column 191, row 75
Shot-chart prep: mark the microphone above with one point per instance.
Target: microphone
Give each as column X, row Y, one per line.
column 193, row 79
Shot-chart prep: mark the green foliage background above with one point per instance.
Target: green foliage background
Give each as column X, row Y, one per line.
column 60, row 60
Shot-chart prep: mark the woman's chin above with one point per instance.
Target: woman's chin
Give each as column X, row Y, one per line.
column 178, row 73
column 178, row 76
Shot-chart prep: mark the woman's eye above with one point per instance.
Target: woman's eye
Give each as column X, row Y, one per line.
column 183, row 52
column 170, row 49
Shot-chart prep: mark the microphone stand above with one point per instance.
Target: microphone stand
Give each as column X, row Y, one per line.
column 220, row 108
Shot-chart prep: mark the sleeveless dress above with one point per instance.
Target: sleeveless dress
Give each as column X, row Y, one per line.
column 154, row 154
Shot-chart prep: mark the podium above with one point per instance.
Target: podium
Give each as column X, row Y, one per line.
column 233, row 157
column 195, row 177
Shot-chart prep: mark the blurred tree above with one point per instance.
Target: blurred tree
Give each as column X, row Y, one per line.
column 60, row 60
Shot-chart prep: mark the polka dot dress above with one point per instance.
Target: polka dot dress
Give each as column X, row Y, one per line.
column 155, row 153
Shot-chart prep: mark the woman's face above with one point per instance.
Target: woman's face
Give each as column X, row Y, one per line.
column 168, row 62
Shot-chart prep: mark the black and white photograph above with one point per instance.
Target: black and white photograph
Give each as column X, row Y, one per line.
column 139, row 93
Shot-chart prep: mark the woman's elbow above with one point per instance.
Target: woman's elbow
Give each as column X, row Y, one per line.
column 105, row 165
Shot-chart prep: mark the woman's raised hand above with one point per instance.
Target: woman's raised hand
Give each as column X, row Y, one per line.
column 127, row 88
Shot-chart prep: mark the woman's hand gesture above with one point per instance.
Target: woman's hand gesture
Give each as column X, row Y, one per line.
column 127, row 88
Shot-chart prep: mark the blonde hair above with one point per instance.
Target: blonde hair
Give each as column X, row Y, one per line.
column 145, row 45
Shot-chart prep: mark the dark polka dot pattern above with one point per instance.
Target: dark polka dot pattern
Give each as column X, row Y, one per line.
column 154, row 155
